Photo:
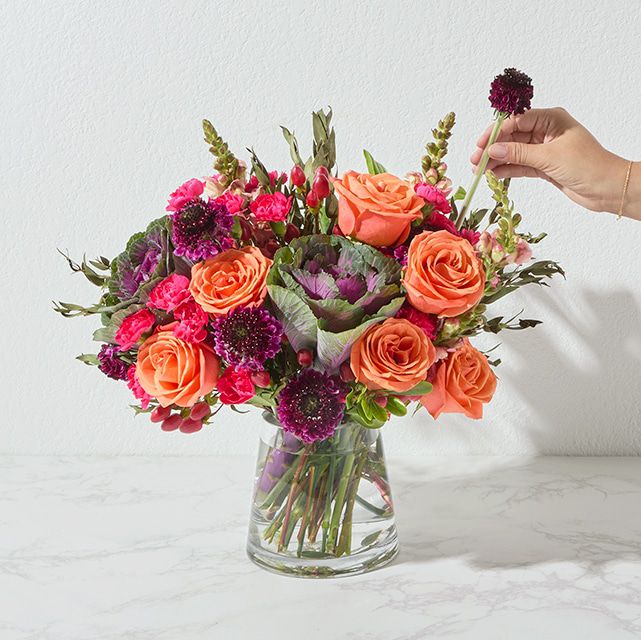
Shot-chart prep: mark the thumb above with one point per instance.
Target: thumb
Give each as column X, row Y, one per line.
column 529, row 155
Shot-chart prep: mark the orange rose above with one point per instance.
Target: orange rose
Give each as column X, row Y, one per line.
column 393, row 355
column 377, row 210
column 463, row 384
column 444, row 276
column 175, row 371
column 233, row 278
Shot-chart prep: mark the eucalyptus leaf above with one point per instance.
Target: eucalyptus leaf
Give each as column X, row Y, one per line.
column 373, row 167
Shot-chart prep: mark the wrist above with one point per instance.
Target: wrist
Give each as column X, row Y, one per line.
column 630, row 206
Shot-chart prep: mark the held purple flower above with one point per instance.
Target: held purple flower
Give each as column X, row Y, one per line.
column 511, row 92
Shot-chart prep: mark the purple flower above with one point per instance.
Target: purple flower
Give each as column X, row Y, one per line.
column 201, row 230
column 247, row 337
column 110, row 364
column 311, row 405
column 511, row 92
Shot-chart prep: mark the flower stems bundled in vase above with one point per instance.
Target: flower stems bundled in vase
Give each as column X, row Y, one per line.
column 331, row 302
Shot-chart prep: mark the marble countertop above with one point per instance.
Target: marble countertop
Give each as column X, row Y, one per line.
column 153, row 548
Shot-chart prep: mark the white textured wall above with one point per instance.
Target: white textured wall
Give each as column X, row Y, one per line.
column 100, row 106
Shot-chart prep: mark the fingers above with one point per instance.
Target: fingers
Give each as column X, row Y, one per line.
column 515, row 171
column 529, row 155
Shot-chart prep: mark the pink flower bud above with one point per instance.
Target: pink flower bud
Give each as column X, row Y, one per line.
column 312, row 200
column 199, row 411
column 305, row 358
column 346, row 373
column 261, row 379
column 297, row 176
column 320, row 186
column 160, row 413
column 191, row 426
column 171, row 423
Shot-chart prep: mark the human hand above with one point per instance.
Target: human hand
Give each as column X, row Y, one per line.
column 551, row 144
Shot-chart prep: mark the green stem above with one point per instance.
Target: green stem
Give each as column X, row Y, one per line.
column 345, row 540
column 370, row 507
column 480, row 172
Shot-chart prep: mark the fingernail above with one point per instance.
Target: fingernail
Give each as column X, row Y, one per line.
column 498, row 151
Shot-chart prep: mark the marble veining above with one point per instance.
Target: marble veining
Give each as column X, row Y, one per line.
column 152, row 548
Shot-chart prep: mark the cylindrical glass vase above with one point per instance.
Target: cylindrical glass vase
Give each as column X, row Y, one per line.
column 322, row 509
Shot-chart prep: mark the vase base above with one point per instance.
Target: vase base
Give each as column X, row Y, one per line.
column 327, row 566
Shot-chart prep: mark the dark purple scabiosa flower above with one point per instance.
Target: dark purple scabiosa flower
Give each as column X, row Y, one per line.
column 110, row 364
column 311, row 405
column 511, row 92
column 247, row 337
column 201, row 230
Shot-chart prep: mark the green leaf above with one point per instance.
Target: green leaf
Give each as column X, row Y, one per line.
column 373, row 167
column 419, row 390
column 296, row 317
column 88, row 358
column 459, row 194
column 293, row 146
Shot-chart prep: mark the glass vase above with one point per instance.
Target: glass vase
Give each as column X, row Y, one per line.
column 322, row 509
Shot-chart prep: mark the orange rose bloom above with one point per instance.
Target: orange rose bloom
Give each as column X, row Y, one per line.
column 233, row 278
column 463, row 384
column 377, row 210
column 393, row 355
column 175, row 371
column 444, row 276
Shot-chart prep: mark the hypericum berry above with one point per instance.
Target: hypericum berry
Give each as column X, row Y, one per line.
column 159, row 414
column 381, row 401
column 297, row 176
column 305, row 358
column 261, row 379
column 199, row 411
column 320, row 185
column 191, row 426
column 312, row 200
column 171, row 423
column 346, row 373
column 291, row 232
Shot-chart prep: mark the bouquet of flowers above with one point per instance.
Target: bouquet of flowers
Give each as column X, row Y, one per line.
column 324, row 300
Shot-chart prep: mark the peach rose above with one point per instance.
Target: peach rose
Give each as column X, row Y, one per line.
column 444, row 276
column 393, row 355
column 233, row 278
column 463, row 384
column 175, row 371
column 377, row 210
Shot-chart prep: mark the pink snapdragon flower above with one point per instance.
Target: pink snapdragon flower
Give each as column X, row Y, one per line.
column 188, row 191
column 170, row 293
column 133, row 327
column 136, row 388
column 271, row 207
column 433, row 196
column 491, row 247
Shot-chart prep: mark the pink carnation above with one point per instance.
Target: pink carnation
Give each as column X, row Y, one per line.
column 470, row 235
column 235, row 386
column 188, row 191
column 234, row 202
column 271, row 207
column 434, row 196
column 438, row 221
column 133, row 327
column 136, row 388
column 170, row 293
column 427, row 322
column 192, row 322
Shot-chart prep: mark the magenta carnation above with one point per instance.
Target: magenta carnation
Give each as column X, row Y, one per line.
column 235, row 386
column 511, row 92
column 433, row 196
column 192, row 321
column 110, row 364
column 136, row 387
column 133, row 327
column 311, row 405
column 185, row 192
column 271, row 207
column 234, row 202
column 170, row 293
column 247, row 337
column 201, row 230
column 470, row 235
column 427, row 322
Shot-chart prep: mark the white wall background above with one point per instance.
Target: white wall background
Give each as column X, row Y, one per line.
column 101, row 104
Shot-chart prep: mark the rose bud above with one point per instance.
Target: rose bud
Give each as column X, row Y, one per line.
column 320, row 186
column 346, row 373
column 159, row 414
column 261, row 379
column 312, row 200
column 305, row 358
column 199, row 411
column 171, row 423
column 291, row 232
column 297, row 176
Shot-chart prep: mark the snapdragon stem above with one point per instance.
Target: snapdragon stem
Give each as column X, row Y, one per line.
column 480, row 171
